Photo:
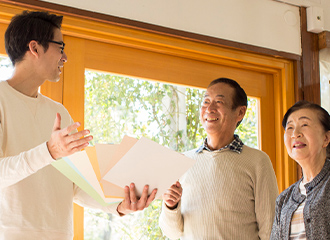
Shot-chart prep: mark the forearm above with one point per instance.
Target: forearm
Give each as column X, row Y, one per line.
column 85, row 200
column 15, row 168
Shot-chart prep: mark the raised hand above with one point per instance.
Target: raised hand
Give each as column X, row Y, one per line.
column 131, row 203
column 173, row 195
column 62, row 143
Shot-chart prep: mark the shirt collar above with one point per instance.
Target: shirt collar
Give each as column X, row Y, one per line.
column 297, row 197
column 236, row 146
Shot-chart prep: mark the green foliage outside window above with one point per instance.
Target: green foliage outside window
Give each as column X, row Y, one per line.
column 116, row 106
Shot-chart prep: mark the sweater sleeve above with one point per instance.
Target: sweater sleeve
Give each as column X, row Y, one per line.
column 266, row 192
column 171, row 221
column 85, row 200
column 15, row 168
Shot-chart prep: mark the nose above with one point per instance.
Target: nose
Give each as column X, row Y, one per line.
column 210, row 107
column 64, row 57
column 296, row 133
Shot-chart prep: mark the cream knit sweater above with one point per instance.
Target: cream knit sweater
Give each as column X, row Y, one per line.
column 36, row 200
column 226, row 195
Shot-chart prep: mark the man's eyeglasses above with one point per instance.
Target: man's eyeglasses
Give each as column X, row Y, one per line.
column 59, row 43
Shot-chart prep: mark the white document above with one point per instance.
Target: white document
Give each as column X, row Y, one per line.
column 148, row 162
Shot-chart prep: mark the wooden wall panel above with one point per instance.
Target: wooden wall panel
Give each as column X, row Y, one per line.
column 73, row 100
column 309, row 85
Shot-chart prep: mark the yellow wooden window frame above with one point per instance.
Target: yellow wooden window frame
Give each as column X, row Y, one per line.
column 147, row 55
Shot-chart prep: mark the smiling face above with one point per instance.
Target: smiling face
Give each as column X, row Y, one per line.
column 217, row 116
column 305, row 138
column 53, row 59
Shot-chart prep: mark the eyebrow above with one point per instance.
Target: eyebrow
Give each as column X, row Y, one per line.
column 303, row 117
column 219, row 95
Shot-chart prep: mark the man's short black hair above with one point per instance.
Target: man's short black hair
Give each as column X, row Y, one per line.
column 28, row 26
column 240, row 97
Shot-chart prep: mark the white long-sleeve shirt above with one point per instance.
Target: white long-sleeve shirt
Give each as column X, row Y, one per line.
column 226, row 195
column 36, row 200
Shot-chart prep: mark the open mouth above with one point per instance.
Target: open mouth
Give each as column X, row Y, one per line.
column 299, row 145
column 212, row 119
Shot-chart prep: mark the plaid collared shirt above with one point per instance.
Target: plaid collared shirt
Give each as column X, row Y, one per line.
column 236, row 145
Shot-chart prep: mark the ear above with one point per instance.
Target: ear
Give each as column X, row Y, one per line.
column 241, row 113
column 326, row 139
column 34, row 48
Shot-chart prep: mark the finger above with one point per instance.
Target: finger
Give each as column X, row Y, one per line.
column 170, row 198
column 172, row 195
column 78, row 144
column 133, row 197
column 144, row 195
column 171, row 204
column 122, row 207
column 77, row 136
column 151, row 197
column 119, row 209
column 78, row 148
column 176, row 190
column 57, row 122
column 66, row 131
column 127, row 200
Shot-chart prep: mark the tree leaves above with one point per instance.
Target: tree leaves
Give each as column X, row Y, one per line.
column 117, row 105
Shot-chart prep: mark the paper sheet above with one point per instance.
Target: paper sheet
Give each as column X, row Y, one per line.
column 104, row 170
column 147, row 162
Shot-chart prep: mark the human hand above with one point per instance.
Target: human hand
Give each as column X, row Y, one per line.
column 62, row 143
column 173, row 195
column 131, row 203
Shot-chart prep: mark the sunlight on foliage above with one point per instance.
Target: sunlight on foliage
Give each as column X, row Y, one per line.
column 167, row 114
column 6, row 67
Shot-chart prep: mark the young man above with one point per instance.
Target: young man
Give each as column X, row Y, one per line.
column 230, row 192
column 36, row 200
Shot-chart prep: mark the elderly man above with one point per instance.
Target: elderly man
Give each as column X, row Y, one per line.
column 230, row 192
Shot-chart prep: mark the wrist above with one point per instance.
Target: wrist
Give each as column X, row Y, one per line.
column 172, row 207
column 47, row 144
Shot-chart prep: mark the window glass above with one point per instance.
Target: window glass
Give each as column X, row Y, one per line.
column 168, row 114
column 6, row 68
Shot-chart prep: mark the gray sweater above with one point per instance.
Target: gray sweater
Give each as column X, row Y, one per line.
column 316, row 210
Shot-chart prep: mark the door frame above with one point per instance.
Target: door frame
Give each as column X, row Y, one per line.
column 175, row 60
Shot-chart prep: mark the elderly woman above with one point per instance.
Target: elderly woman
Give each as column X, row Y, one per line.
column 303, row 210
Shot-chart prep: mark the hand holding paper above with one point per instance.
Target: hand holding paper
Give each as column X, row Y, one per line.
column 173, row 195
column 131, row 203
column 104, row 171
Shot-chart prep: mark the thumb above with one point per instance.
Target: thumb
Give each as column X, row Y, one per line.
column 57, row 123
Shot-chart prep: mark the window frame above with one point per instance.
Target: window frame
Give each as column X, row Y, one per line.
column 160, row 57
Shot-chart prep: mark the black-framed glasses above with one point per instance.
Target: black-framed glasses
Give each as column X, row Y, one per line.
column 56, row 42
column 59, row 43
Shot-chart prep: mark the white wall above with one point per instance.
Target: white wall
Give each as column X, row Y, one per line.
column 326, row 10
column 264, row 23
column 323, row 5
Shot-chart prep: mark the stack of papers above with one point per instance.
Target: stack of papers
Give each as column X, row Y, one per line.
column 104, row 170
